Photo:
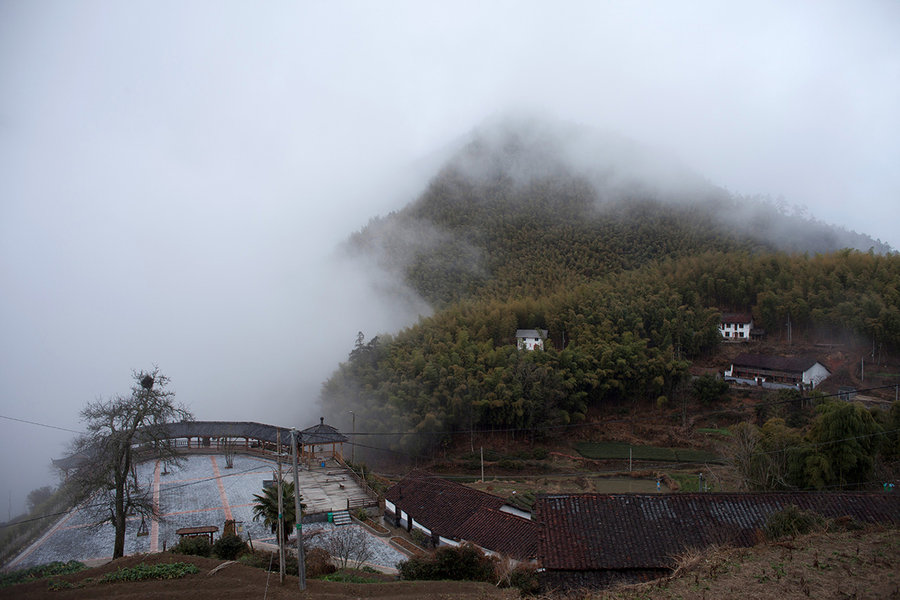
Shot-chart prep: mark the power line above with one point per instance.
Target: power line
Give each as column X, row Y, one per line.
column 42, row 424
column 571, row 426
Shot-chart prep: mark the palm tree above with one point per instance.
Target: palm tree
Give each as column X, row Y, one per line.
column 266, row 507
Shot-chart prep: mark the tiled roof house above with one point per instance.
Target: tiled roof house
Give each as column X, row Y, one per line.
column 778, row 369
column 596, row 540
column 451, row 513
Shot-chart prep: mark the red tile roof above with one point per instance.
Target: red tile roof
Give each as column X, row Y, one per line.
column 457, row 512
column 634, row 531
column 501, row 532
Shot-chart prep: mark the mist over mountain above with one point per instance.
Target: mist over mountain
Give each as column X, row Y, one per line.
column 519, row 190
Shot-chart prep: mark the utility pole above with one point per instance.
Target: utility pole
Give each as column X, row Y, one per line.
column 482, row 464
column 280, row 514
column 353, row 443
column 301, row 559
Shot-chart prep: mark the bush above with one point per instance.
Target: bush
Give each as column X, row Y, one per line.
column 259, row 560
column 318, row 563
column 193, row 546
column 144, row 571
column 229, row 547
column 709, row 389
column 525, row 579
column 419, row 538
column 40, row 572
column 791, row 521
column 465, row 562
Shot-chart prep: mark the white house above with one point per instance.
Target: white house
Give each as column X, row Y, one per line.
column 531, row 339
column 736, row 326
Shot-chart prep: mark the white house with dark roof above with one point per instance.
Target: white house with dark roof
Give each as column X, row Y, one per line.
column 736, row 326
column 530, row 339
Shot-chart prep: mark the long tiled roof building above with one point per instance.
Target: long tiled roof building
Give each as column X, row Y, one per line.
column 595, row 540
column 458, row 513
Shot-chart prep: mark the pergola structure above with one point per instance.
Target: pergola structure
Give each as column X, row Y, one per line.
column 244, row 436
column 207, row 531
column 314, row 443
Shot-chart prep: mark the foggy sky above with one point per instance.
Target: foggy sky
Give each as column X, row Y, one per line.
column 175, row 177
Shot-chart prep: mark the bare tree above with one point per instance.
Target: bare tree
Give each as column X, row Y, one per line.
column 121, row 432
column 229, row 447
column 349, row 543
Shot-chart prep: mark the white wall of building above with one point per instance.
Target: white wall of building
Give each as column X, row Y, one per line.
column 815, row 375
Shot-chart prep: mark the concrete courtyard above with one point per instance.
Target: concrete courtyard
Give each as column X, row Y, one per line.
column 200, row 492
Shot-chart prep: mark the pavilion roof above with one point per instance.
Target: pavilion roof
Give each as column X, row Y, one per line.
column 322, row 434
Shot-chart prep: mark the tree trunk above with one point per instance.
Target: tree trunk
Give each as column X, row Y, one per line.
column 119, row 521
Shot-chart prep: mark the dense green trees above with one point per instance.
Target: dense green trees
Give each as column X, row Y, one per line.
column 629, row 287
column 628, row 338
column 838, row 450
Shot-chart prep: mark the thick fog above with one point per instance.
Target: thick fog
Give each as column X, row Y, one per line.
column 175, row 177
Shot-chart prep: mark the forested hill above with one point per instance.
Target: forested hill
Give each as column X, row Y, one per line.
column 627, row 264
column 526, row 207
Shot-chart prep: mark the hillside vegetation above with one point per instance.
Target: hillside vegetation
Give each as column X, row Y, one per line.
column 628, row 280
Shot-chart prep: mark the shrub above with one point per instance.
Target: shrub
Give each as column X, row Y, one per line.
column 40, row 572
column 318, row 563
column 525, row 579
column 144, row 571
column 259, row 560
column 419, row 538
column 194, row 546
column 229, row 547
column 791, row 521
column 465, row 562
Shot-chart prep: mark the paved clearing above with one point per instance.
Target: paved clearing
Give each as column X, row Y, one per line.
column 199, row 492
